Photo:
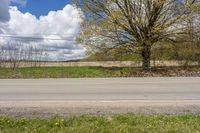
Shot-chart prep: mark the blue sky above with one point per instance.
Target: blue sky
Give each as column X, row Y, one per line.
column 41, row 7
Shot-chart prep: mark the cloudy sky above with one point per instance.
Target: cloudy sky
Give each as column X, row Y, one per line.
column 51, row 25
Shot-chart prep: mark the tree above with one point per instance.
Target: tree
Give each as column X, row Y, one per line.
column 137, row 24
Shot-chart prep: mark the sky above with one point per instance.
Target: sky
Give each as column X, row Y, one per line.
column 50, row 25
column 41, row 7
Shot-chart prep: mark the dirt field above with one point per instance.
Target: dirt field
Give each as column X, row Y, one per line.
column 94, row 64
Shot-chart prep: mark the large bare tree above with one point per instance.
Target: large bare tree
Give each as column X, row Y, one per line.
column 135, row 24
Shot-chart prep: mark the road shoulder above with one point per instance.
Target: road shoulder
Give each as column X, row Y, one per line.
column 71, row 108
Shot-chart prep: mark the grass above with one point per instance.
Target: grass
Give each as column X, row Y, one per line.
column 93, row 72
column 62, row 72
column 93, row 124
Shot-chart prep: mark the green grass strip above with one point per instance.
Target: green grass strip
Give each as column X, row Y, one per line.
column 93, row 124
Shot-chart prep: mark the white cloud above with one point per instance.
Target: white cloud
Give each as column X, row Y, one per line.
column 62, row 26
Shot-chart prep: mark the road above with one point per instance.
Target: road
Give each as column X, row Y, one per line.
column 101, row 89
column 128, row 93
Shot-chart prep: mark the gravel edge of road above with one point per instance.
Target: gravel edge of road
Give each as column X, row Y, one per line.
column 47, row 109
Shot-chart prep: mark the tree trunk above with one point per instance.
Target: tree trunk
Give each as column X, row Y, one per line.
column 146, row 57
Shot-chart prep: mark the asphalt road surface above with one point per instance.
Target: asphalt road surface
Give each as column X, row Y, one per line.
column 99, row 95
column 100, row 89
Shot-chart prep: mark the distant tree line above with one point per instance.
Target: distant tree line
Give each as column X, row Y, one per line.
column 14, row 53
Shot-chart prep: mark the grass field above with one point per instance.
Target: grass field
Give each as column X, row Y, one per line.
column 94, row 124
column 95, row 72
column 58, row 72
